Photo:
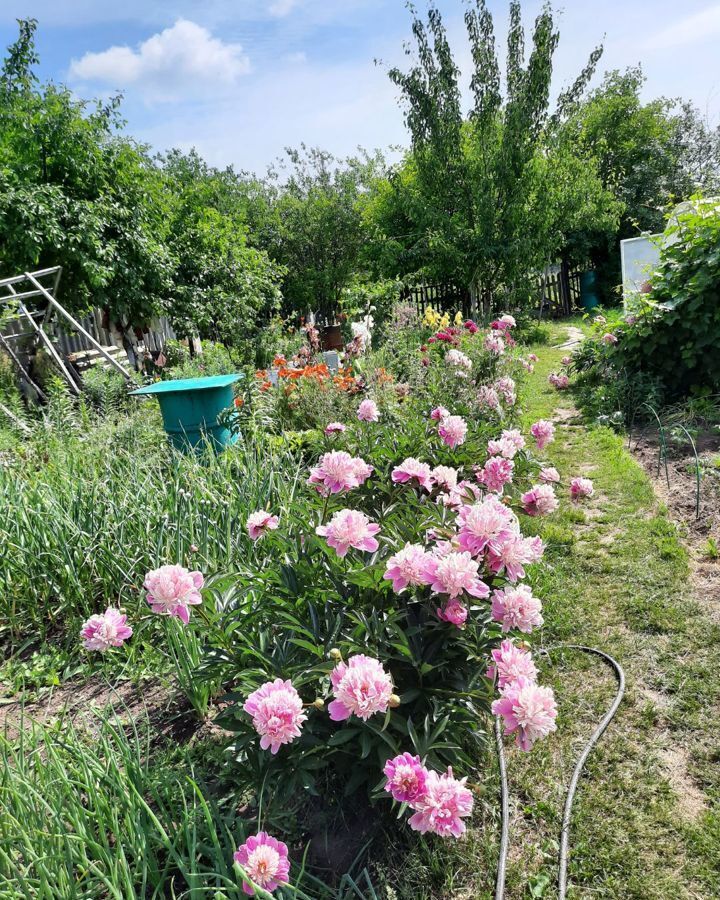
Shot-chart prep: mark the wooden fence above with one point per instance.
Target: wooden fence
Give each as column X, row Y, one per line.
column 557, row 291
column 442, row 297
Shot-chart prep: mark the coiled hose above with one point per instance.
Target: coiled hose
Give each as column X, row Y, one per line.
column 570, row 796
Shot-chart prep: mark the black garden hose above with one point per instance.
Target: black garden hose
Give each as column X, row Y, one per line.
column 570, row 796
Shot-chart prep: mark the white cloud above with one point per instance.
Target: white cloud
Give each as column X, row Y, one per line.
column 700, row 26
column 181, row 59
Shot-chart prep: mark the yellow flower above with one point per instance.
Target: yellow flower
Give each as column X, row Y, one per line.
column 458, row 318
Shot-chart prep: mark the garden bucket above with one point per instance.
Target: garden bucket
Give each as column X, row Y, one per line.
column 588, row 290
column 190, row 408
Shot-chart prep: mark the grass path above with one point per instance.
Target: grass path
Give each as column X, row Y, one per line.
column 646, row 822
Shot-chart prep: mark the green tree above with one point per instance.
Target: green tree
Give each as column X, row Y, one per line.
column 650, row 155
column 223, row 290
column 74, row 193
column 314, row 224
column 464, row 204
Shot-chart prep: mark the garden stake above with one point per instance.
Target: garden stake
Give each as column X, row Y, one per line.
column 577, row 771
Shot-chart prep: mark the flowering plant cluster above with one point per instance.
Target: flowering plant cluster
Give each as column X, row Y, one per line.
column 384, row 616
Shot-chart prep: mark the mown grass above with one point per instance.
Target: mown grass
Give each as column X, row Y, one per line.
column 616, row 576
column 646, row 817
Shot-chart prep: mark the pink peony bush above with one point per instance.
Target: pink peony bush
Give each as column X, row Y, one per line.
column 346, row 666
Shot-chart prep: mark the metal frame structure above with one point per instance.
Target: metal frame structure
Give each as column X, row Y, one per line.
column 14, row 291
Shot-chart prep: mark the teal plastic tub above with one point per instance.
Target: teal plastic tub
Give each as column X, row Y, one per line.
column 190, row 408
column 588, row 290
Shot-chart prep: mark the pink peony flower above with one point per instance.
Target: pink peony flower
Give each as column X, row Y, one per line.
column 260, row 522
column 458, row 359
column 453, row 430
column 454, row 573
column 528, row 709
column 277, row 713
column 543, row 432
column 549, row 475
column 516, row 607
column 335, row 428
column 454, row 612
column 485, row 524
column 406, row 778
column 349, row 528
column 533, row 357
column 368, row 411
column 510, row 663
column 508, row 321
column 265, row 860
column 561, row 382
column 540, row 501
column 566, row 360
column 471, row 326
column 493, row 343
column 412, row 470
column 109, row 629
column 445, row 477
column 361, row 687
column 527, row 365
column 439, row 413
column 488, row 397
column 581, row 487
column 609, row 338
column 172, row 589
column 507, row 445
column 506, row 388
column 443, row 806
column 496, row 473
column 407, row 567
column 513, row 438
column 337, row 471
column 513, row 554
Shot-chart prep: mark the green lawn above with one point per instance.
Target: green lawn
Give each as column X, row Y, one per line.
column 617, row 578
column 646, row 818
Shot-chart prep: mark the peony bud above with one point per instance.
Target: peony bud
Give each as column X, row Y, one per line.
column 394, row 701
column 318, row 703
column 335, row 654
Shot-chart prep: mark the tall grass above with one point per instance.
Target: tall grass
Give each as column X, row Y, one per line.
column 96, row 811
column 89, row 506
column 87, row 815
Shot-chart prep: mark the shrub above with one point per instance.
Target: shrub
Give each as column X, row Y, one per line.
column 666, row 347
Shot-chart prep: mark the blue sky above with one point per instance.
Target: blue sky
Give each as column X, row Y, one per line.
column 242, row 79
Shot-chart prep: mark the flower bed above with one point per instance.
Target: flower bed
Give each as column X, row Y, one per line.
column 383, row 616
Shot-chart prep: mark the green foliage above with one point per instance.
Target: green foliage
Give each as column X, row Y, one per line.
column 74, row 193
column 223, row 290
column 86, row 813
column 666, row 347
column 648, row 154
column 314, row 225
column 480, row 201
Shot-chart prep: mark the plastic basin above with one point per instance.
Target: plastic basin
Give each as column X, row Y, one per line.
column 190, row 408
